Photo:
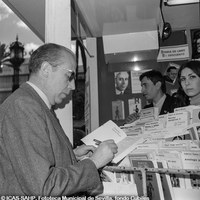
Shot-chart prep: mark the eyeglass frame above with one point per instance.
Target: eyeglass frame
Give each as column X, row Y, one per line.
column 72, row 76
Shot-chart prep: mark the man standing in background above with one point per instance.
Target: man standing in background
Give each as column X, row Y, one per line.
column 154, row 91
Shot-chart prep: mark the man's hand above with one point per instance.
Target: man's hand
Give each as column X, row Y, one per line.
column 104, row 153
column 84, row 151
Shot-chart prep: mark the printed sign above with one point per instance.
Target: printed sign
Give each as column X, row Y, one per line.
column 171, row 53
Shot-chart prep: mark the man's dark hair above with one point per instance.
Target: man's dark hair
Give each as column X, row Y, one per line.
column 170, row 68
column 155, row 76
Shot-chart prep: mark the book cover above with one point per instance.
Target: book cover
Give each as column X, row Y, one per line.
column 119, row 184
column 194, row 131
column 166, row 183
column 178, row 119
column 153, row 181
column 191, row 160
column 173, row 160
column 118, row 110
column 110, row 130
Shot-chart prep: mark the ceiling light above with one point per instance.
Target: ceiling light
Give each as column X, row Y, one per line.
column 179, row 2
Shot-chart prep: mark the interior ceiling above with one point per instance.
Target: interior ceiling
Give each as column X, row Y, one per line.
column 116, row 16
column 107, row 17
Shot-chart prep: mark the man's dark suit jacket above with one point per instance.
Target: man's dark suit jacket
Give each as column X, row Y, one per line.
column 167, row 107
column 36, row 157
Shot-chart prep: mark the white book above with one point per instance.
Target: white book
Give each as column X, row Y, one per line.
column 191, row 160
column 153, row 181
column 173, row 161
column 178, row 119
column 166, row 182
column 110, row 130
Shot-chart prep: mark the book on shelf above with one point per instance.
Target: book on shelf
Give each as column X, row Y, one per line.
column 173, row 161
column 148, row 114
column 179, row 145
column 194, row 112
column 110, row 130
column 118, row 183
column 142, row 154
column 153, row 181
column 132, row 130
column 191, row 160
column 166, row 182
column 177, row 119
column 194, row 131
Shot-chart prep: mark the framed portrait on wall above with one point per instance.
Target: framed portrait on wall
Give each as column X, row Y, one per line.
column 171, row 72
column 195, row 40
column 121, row 82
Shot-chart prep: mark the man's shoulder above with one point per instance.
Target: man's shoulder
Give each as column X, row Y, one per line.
column 168, row 79
column 169, row 97
column 148, row 106
column 168, row 105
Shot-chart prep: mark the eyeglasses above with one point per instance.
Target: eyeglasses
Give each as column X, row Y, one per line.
column 72, row 75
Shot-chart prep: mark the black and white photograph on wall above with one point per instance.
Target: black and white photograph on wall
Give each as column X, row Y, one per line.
column 118, row 110
column 121, row 82
column 135, row 81
column 171, row 72
column 134, row 105
column 195, row 39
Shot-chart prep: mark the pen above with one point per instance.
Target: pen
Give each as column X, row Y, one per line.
column 97, row 142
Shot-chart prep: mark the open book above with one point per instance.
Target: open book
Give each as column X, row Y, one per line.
column 110, row 130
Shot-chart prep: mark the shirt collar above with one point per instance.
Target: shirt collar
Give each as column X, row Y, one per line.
column 118, row 92
column 41, row 94
column 159, row 104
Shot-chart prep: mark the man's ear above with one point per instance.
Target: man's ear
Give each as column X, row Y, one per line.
column 158, row 85
column 45, row 69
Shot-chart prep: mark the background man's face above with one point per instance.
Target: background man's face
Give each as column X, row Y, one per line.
column 149, row 90
column 172, row 74
column 121, row 81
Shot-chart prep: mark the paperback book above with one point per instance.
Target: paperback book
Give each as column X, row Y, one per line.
column 110, row 130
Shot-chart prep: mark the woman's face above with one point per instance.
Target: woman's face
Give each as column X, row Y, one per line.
column 190, row 82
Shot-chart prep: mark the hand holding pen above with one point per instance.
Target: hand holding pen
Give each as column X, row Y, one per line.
column 97, row 142
column 104, row 153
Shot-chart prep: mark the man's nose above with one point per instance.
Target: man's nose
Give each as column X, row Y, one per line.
column 142, row 89
column 71, row 85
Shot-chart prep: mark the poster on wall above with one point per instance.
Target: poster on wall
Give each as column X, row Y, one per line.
column 121, row 82
column 195, row 40
column 134, row 105
column 118, row 110
column 135, row 81
column 171, row 72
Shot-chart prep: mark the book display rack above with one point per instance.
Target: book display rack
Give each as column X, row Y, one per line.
column 143, row 171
